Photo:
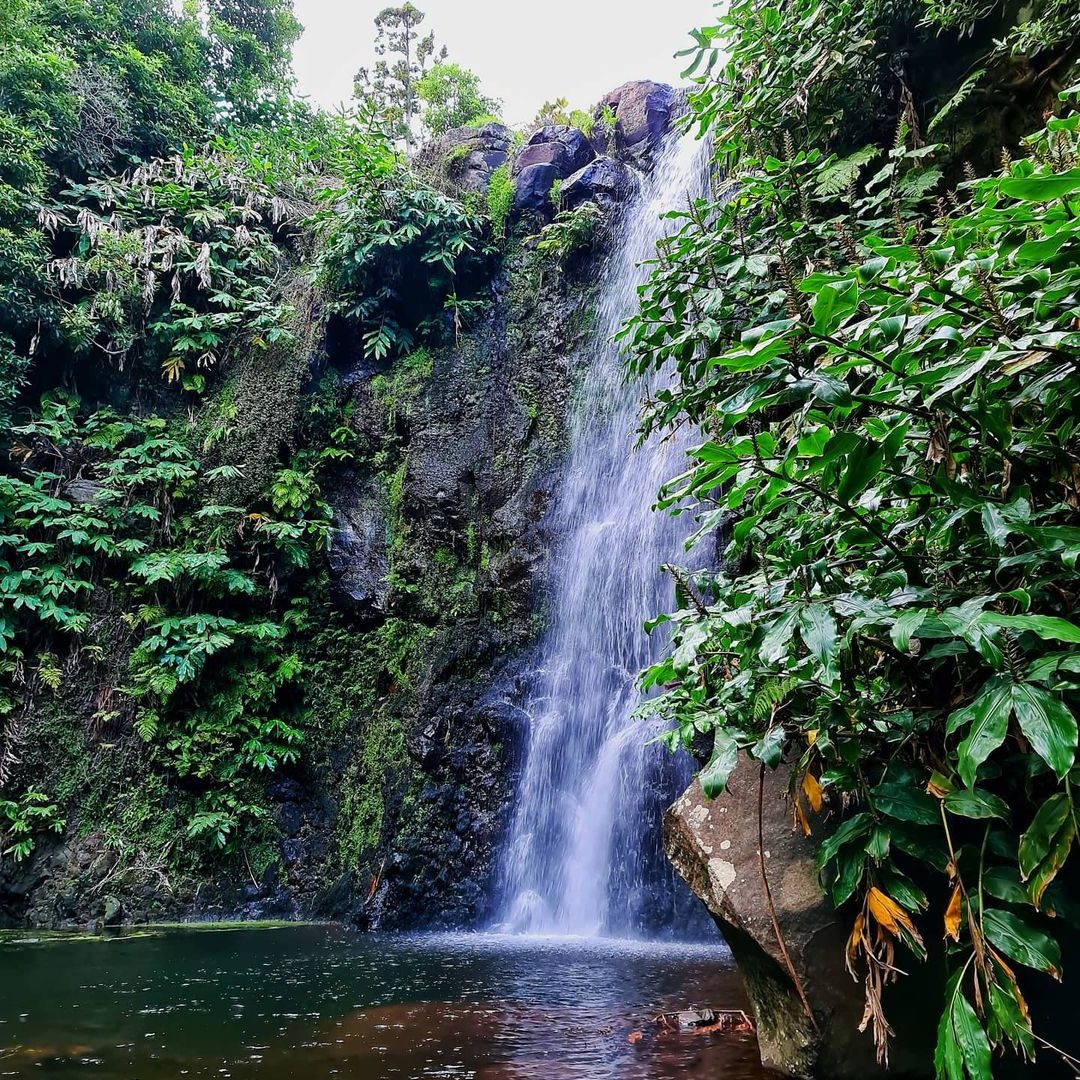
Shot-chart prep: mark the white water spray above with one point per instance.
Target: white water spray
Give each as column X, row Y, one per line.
column 583, row 852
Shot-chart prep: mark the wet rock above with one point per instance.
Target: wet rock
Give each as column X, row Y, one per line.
column 113, row 913
column 643, row 114
column 714, row 845
column 532, row 189
column 359, row 554
column 464, row 158
column 604, row 181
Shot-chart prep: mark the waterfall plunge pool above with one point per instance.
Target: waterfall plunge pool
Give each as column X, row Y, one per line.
column 314, row 1001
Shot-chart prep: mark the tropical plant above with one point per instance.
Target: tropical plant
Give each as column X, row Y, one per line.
column 22, row 820
column 391, row 87
column 880, row 350
column 393, row 249
column 451, row 99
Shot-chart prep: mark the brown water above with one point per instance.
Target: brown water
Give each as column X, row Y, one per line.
column 320, row 1001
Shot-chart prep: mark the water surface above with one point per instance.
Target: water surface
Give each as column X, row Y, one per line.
column 321, row 1001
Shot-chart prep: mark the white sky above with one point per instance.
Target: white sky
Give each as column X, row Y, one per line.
column 526, row 52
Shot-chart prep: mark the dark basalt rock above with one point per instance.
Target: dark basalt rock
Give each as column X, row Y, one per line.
column 643, row 114
column 465, row 158
column 532, row 191
column 604, row 181
column 359, row 553
column 565, row 147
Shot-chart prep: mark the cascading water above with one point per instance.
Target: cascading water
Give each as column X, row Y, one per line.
column 583, row 853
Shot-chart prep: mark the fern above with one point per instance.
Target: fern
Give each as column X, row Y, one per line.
column 837, row 176
column 967, row 87
column 772, row 695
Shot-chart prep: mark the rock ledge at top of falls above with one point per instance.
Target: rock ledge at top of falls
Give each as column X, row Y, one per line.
column 643, row 112
column 599, row 169
column 714, row 846
column 466, row 157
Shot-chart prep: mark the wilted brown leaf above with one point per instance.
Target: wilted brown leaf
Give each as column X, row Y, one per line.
column 952, row 914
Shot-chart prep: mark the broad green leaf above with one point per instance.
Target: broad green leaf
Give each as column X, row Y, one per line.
column 1041, row 188
column 976, row 803
column 769, row 749
column 971, row 1038
column 907, row 623
column 1047, row 724
column 1045, row 626
column 849, row 831
column 725, row 756
column 905, row 803
column 1003, row 883
column 987, row 720
column 694, row 635
column 1020, row 941
column 1056, row 857
column 948, row 1061
column 1035, row 843
column 818, row 629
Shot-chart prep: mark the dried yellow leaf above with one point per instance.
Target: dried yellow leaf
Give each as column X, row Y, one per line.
column 853, row 944
column 890, row 915
column 952, row 915
column 800, row 818
column 812, row 790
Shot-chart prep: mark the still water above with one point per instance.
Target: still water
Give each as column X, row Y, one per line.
column 321, row 1001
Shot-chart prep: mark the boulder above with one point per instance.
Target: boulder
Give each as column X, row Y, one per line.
column 532, row 190
column 565, row 147
column 643, row 114
column 604, row 181
column 714, row 845
column 465, row 158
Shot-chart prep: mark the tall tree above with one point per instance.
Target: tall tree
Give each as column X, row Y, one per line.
column 451, row 98
column 404, row 56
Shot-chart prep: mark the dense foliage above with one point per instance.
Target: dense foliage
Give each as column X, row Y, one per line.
column 177, row 230
column 879, row 341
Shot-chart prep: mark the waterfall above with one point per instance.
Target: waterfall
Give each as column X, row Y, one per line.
column 583, row 852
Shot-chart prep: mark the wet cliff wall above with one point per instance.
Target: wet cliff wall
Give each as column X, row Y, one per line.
column 409, row 628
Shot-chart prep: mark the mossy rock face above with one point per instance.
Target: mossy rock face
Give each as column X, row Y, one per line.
column 464, row 448
column 413, row 625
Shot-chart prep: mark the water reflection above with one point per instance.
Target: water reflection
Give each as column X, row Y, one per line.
column 315, row 1002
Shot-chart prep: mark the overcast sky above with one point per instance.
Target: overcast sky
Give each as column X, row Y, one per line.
column 525, row 51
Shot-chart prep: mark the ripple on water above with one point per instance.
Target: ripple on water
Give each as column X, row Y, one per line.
column 315, row 1001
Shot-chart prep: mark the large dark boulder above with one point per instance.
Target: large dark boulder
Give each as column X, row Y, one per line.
column 532, row 189
column 603, row 181
column 565, row 147
column 714, row 845
column 643, row 111
column 463, row 159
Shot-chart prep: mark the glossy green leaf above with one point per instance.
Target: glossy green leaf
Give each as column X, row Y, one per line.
column 1048, row 725
column 725, row 757
column 1018, row 940
column 1036, row 841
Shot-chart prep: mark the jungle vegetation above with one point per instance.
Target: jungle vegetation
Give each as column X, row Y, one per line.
column 176, row 228
column 875, row 325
